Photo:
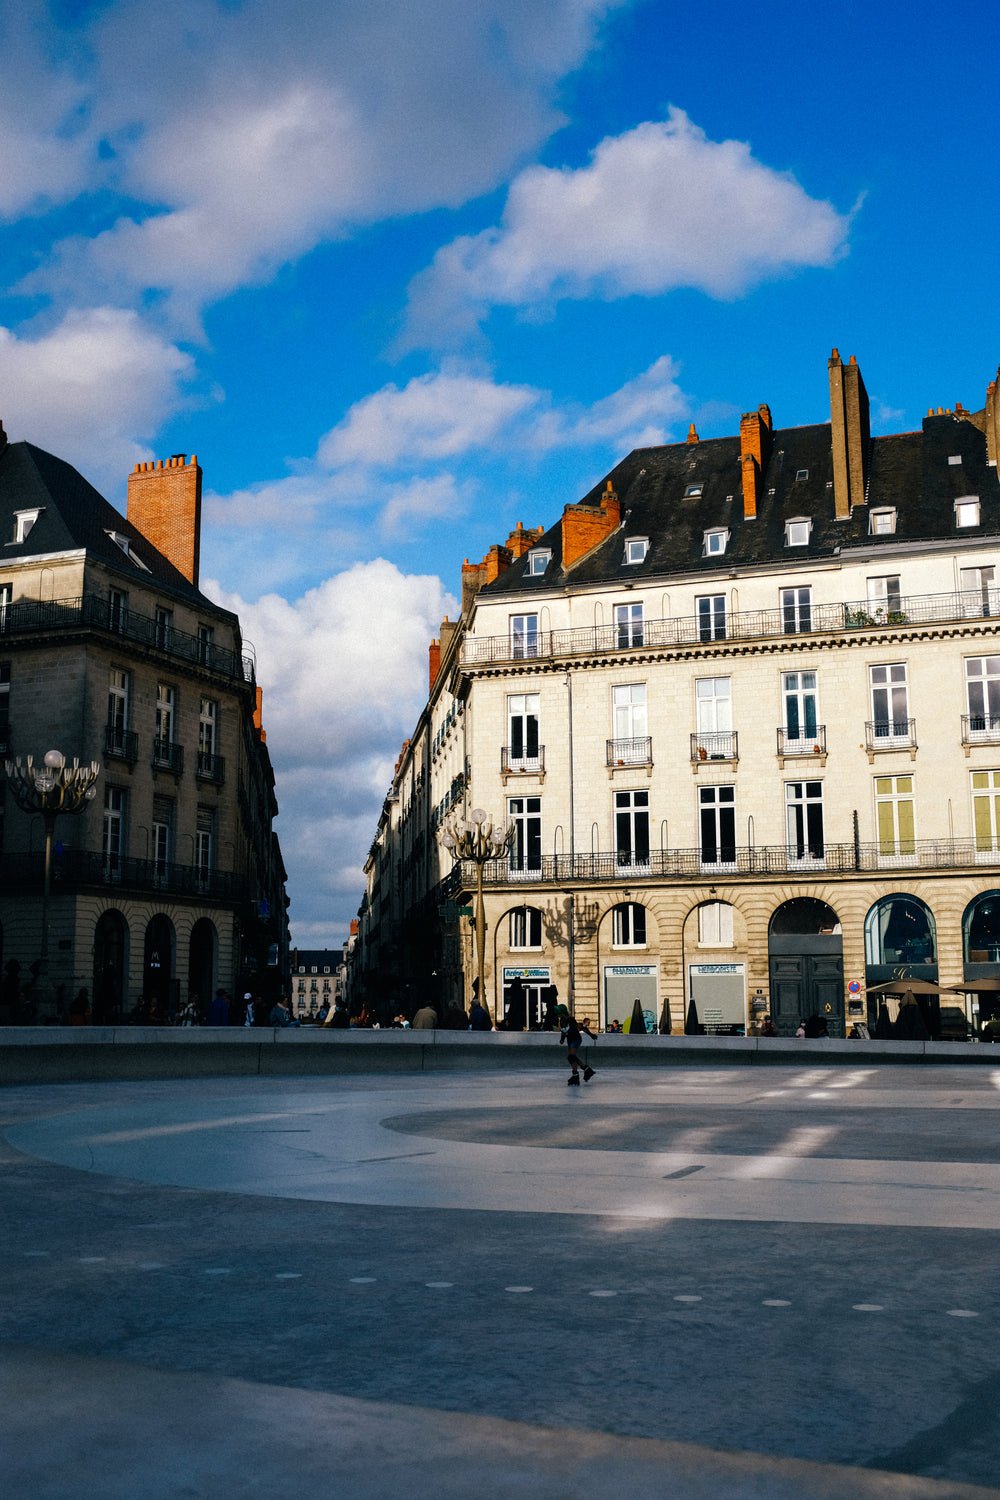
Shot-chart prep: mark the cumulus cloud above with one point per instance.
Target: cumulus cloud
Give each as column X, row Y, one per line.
column 246, row 135
column 88, row 385
column 657, row 208
column 344, row 675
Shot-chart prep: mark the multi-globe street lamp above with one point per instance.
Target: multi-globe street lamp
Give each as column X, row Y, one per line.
column 479, row 840
column 51, row 789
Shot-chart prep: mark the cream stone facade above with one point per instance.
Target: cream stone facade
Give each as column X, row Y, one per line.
column 743, row 706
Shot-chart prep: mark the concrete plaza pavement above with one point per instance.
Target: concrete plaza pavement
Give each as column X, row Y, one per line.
column 694, row 1281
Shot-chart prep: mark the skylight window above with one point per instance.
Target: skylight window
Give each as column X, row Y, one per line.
column 967, row 511
column 125, row 543
column 693, row 490
column 538, row 562
column 797, row 532
column 883, row 522
column 635, row 550
column 954, row 458
column 801, row 474
column 715, row 543
column 23, row 522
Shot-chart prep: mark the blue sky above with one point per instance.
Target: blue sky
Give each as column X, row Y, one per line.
column 405, row 272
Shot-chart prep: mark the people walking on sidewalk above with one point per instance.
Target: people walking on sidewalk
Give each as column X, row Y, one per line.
column 571, row 1032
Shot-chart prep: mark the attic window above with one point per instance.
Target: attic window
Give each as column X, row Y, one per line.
column 882, row 522
column 125, row 543
column 954, row 458
column 797, row 532
column 23, row 522
column 692, row 490
column 967, row 511
column 538, row 562
column 635, row 549
column 801, row 474
column 715, row 543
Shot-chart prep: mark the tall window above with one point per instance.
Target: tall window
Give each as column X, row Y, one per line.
column 979, row 595
column 5, row 598
column 628, row 925
column 894, row 815
column 629, row 708
column 890, row 720
column 796, row 610
column 804, row 819
column 982, row 684
column 523, row 636
column 163, row 821
column 117, row 710
column 117, row 609
column 522, row 729
column 206, row 635
column 165, row 699
column 628, row 624
column 526, row 815
column 715, row 708
column 800, row 705
column 711, row 617
column 207, row 720
column 526, row 927
column 113, row 834
column 715, row 925
column 632, row 828
column 717, row 824
column 204, row 842
column 5, row 706
column 164, row 626
column 884, row 596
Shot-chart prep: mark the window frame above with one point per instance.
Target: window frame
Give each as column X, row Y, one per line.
column 524, row 931
column 715, row 533
column 792, row 525
column 628, row 925
column 635, row 544
column 967, row 506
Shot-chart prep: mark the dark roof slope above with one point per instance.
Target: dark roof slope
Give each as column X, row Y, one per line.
column 73, row 515
column 909, row 472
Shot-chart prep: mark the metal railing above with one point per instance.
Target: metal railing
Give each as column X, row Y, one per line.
column 210, row 767
column 84, row 867
column 720, row 745
column 802, row 744
column 91, row 610
column 121, row 744
column 513, row 761
column 749, row 625
column 635, row 752
column 891, row 734
column 746, row 862
column 980, row 729
column 168, row 755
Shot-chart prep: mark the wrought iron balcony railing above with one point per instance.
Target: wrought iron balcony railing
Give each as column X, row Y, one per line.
column 891, row 734
column 79, row 867
column 121, row 744
column 720, row 745
column 28, row 616
column 981, row 729
column 210, row 767
column 762, row 624
column 512, row 762
column 635, row 752
column 168, row 756
column 799, row 743
column 746, row 862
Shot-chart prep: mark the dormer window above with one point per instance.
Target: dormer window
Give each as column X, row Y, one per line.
column 538, row 562
column 23, row 522
column 967, row 511
column 715, row 543
column 797, row 532
column 691, row 491
column 882, row 522
column 125, row 543
column 635, row 550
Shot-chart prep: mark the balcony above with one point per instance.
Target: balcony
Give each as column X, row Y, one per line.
column 798, row 746
column 121, row 744
column 518, row 763
column 720, row 747
column 210, row 767
column 980, row 729
column 890, row 734
column 752, row 625
column 741, row 863
column 168, row 756
column 625, row 754
column 81, row 867
column 94, row 612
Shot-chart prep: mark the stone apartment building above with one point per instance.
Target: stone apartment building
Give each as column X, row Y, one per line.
column 742, row 705
column 171, row 879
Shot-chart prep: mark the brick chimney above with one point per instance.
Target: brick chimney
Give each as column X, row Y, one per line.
column 434, row 662
column 164, row 503
column 755, row 455
column 993, row 420
column 692, row 436
column 850, row 432
column 258, row 715
column 584, row 526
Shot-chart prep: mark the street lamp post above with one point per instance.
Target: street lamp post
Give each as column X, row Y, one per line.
column 479, row 840
column 50, row 790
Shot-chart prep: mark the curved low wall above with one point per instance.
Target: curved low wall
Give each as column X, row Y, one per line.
column 49, row 1054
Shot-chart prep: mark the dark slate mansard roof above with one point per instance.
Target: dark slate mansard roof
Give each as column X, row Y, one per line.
column 907, row 471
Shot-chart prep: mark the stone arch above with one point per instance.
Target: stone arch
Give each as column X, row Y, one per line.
column 805, row 952
column 111, row 943
column 203, row 961
column 159, row 984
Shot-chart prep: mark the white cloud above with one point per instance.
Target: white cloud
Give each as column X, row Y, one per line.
column 86, row 387
column 249, row 134
column 344, row 675
column 657, row 208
